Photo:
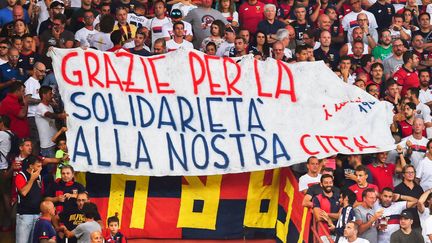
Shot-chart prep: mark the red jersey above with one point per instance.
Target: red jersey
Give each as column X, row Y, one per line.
column 11, row 107
column 251, row 15
column 359, row 190
column 406, row 79
column 382, row 174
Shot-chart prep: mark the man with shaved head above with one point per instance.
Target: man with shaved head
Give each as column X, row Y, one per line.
column 32, row 93
column 44, row 231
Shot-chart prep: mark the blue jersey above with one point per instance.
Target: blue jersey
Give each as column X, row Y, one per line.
column 43, row 230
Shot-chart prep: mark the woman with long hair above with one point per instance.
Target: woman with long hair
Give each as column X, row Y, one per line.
column 217, row 32
column 261, row 45
column 227, row 8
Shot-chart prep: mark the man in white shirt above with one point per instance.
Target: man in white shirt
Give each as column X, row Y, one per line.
column 178, row 39
column 423, row 204
column 312, row 177
column 414, row 145
column 425, row 95
column 45, row 121
column 423, row 111
column 137, row 18
column 226, row 46
column 350, row 20
column 350, row 234
column 5, row 144
column 167, row 29
column 155, row 24
column 32, row 92
column 424, row 169
column 83, row 34
column 102, row 40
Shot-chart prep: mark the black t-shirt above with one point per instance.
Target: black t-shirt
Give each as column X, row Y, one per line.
column 383, row 14
column 59, row 188
column 26, row 61
column 142, row 52
column 300, row 29
column 71, row 218
column 416, row 192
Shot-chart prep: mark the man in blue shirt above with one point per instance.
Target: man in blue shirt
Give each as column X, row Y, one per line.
column 44, row 231
column 10, row 72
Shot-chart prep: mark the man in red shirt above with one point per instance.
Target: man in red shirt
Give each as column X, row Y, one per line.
column 250, row 14
column 382, row 172
column 407, row 77
column 362, row 184
column 15, row 106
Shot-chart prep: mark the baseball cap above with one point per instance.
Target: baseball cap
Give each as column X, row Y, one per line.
column 406, row 214
column 56, row 3
column 176, row 13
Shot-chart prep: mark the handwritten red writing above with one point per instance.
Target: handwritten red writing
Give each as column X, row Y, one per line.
column 318, row 144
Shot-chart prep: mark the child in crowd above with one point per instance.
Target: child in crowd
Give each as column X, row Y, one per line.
column 60, row 140
column 113, row 234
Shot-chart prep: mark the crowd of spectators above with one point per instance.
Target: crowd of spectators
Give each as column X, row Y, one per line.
column 381, row 46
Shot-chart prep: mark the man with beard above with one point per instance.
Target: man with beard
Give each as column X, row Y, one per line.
column 389, row 221
column 418, row 47
column 404, row 127
column 377, row 77
column 407, row 76
column 394, row 62
column 425, row 95
column 82, row 35
column 326, row 205
column 384, row 48
column 32, row 95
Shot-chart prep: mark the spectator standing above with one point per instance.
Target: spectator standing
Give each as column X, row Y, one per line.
column 10, row 72
column 406, row 234
column 326, row 206
column 251, row 12
column 384, row 48
column 423, row 208
column 424, row 169
column 82, row 35
column 43, row 229
column 30, row 193
column 361, row 172
column 383, row 12
column 270, row 25
column 367, row 216
column 409, row 187
column 201, row 19
column 15, row 106
column 32, row 94
column 389, row 223
column 45, row 121
column 395, row 61
column 312, row 176
column 82, row 232
column 64, row 192
column 382, row 172
column 351, row 234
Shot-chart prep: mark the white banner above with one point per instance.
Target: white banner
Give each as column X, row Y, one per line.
column 186, row 113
